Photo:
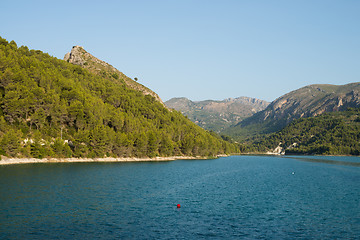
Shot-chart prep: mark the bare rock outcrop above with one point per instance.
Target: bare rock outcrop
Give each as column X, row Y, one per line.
column 75, row 56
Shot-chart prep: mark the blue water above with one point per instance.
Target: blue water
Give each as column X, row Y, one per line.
column 239, row 197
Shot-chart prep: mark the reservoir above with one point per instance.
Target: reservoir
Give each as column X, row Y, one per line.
column 237, row 197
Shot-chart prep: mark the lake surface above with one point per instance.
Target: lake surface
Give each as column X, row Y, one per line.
column 238, row 197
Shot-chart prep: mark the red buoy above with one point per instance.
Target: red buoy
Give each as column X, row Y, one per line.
column 178, row 206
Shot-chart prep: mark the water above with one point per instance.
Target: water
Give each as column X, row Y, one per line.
column 239, row 197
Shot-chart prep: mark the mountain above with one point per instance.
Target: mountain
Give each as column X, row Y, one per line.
column 53, row 108
column 217, row 115
column 79, row 56
column 334, row 133
column 305, row 102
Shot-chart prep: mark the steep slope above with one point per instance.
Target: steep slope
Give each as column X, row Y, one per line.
column 330, row 133
column 305, row 102
column 52, row 108
column 217, row 115
column 79, row 56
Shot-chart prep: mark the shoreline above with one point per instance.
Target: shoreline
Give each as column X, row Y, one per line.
column 11, row 161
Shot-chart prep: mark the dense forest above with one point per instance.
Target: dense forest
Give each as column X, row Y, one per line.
column 51, row 108
column 336, row 133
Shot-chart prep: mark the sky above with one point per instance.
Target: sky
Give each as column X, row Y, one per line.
column 200, row 49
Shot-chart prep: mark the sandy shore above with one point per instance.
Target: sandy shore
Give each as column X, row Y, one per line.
column 7, row 161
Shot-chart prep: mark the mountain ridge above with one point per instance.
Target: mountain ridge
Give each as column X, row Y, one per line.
column 308, row 101
column 217, row 114
column 79, row 56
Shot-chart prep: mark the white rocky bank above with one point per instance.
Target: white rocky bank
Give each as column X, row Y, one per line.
column 8, row 161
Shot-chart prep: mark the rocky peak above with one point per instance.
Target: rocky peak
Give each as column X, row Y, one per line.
column 75, row 56
column 79, row 56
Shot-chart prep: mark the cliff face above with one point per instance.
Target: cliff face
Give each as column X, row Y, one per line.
column 79, row 56
column 308, row 101
column 217, row 115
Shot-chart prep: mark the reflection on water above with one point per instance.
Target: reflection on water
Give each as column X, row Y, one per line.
column 324, row 160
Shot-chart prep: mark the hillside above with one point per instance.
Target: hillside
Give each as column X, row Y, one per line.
column 336, row 133
column 52, row 108
column 79, row 56
column 217, row 115
column 305, row 102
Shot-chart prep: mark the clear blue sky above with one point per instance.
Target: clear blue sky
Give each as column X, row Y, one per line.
column 201, row 49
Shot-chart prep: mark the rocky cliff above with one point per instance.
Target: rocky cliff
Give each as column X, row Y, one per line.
column 79, row 56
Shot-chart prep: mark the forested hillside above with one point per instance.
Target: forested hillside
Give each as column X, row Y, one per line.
column 336, row 133
column 52, row 108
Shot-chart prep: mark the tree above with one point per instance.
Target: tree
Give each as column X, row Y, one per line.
column 141, row 144
column 11, row 142
column 152, row 149
column 61, row 149
column 187, row 144
column 166, row 147
column 101, row 140
column 38, row 118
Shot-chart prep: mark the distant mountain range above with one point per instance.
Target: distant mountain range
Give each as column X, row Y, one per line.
column 217, row 115
column 245, row 117
column 305, row 102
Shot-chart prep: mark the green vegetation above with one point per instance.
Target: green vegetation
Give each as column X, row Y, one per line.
column 251, row 131
column 336, row 133
column 45, row 101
